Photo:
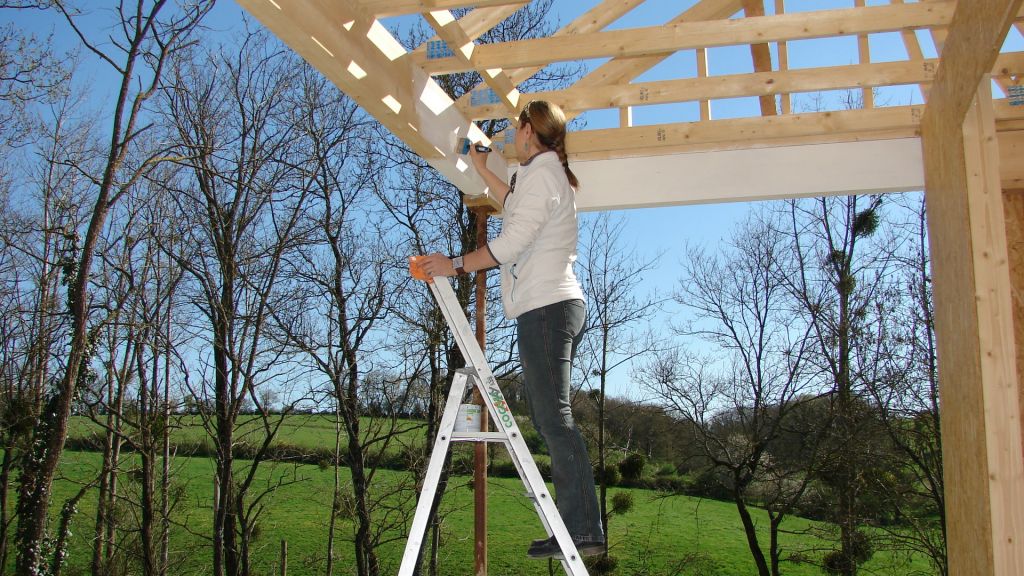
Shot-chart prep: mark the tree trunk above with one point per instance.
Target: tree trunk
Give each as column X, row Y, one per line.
column 5, row 483
column 751, row 533
column 336, row 499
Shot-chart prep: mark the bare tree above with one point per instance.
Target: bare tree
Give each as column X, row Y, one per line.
column 741, row 396
column 345, row 277
column 152, row 32
column 137, row 282
column 240, row 206
column 35, row 235
column 839, row 278
column 610, row 272
column 906, row 392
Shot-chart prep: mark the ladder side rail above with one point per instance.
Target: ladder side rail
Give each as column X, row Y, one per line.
column 502, row 415
column 439, row 454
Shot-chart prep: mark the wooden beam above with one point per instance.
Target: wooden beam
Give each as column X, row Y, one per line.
column 759, row 132
column 983, row 458
column 575, row 100
column 702, row 72
column 842, row 126
column 785, row 101
column 750, row 174
column 593, row 20
column 981, row 424
column 359, row 56
column 976, row 35
column 476, row 23
column 864, row 57
column 387, row 8
column 688, row 35
column 450, row 30
column 761, row 55
column 623, row 70
column 377, row 82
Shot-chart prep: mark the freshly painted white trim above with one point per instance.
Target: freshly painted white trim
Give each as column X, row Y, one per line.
column 749, row 175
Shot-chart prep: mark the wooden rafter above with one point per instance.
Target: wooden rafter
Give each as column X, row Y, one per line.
column 761, row 55
column 450, row 30
column 621, row 70
column 593, row 20
column 353, row 50
column 688, row 35
column 386, row 8
column 575, row 100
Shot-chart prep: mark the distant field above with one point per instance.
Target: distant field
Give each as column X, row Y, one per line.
column 314, row 431
column 661, row 536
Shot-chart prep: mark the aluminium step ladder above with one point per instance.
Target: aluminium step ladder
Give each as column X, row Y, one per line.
column 478, row 373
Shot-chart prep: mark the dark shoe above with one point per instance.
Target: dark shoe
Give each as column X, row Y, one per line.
column 549, row 548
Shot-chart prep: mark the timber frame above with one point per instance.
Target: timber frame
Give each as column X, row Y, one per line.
column 964, row 145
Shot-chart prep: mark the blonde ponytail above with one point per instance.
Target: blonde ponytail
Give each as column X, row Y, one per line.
column 548, row 123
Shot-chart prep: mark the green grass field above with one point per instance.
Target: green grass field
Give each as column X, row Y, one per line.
column 660, row 536
column 313, row 431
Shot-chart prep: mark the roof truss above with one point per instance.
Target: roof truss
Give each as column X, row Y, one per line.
column 346, row 40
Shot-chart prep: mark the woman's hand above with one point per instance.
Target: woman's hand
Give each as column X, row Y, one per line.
column 479, row 158
column 437, row 265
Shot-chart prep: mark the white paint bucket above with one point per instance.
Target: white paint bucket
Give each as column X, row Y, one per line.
column 469, row 418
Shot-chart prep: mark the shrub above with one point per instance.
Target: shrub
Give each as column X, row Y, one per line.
column 622, row 503
column 611, row 475
column 632, row 468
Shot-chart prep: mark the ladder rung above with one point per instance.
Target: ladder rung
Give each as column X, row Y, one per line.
column 479, row 437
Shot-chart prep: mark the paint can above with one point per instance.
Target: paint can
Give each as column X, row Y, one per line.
column 469, row 418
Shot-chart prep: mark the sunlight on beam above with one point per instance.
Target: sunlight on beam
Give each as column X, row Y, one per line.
column 467, row 49
column 442, row 17
column 461, row 165
column 274, row 4
column 513, row 97
column 414, row 129
column 356, row 70
column 392, row 103
column 348, row 25
column 384, row 41
column 475, row 134
column 435, row 98
column 441, row 152
column 492, row 72
column 322, row 47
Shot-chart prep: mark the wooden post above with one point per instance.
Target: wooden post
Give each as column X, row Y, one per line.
column 983, row 453
column 480, row 455
column 284, row 558
column 981, row 426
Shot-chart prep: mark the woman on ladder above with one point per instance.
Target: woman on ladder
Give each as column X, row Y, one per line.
column 536, row 250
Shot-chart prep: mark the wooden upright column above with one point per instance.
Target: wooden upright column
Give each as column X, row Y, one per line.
column 480, row 456
column 981, row 426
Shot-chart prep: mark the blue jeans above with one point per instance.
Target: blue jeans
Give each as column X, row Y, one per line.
column 548, row 338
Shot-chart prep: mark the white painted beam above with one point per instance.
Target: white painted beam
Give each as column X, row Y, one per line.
column 750, row 175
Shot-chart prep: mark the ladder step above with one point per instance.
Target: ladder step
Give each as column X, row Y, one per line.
column 479, row 437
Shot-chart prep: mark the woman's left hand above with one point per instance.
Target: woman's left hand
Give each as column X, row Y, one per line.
column 437, row 265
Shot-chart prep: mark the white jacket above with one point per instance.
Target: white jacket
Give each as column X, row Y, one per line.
column 537, row 244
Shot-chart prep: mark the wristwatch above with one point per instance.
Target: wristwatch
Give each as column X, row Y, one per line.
column 457, row 263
